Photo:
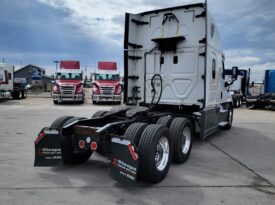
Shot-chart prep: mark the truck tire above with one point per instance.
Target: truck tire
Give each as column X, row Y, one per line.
column 24, row 94
column 59, row 122
column 181, row 131
column 69, row 157
column 240, row 102
column 134, row 132
column 165, row 120
column 154, row 153
column 15, row 95
column 229, row 119
column 55, row 102
column 20, row 95
column 235, row 102
column 99, row 113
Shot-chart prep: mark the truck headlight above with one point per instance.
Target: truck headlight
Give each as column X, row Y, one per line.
column 56, row 89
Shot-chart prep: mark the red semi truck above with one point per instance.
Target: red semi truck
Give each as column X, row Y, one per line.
column 68, row 84
column 106, row 86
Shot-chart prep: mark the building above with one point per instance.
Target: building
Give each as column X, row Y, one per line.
column 34, row 76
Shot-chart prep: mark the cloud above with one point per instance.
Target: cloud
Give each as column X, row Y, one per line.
column 104, row 20
column 258, row 60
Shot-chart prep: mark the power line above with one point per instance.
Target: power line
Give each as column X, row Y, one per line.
column 237, row 18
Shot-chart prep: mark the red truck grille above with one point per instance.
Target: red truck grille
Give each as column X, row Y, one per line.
column 107, row 90
column 67, row 90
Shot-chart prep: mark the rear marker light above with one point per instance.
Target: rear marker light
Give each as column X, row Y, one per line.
column 81, row 144
column 40, row 136
column 132, row 151
column 93, row 146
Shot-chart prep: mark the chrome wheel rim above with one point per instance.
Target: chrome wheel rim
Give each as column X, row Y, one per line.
column 186, row 140
column 162, row 153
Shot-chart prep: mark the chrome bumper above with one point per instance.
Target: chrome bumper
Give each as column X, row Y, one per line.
column 106, row 98
column 64, row 97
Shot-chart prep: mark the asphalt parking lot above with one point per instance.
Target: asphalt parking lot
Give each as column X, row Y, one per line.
column 231, row 167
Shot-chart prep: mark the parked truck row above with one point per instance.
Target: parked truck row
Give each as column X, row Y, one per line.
column 69, row 85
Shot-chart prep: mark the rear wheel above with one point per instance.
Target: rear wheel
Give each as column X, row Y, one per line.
column 55, row 102
column 20, row 95
column 235, row 102
column 68, row 155
column 15, row 95
column 165, row 120
column 99, row 113
column 229, row 119
column 134, row 132
column 154, row 153
column 59, row 122
column 240, row 102
column 24, row 94
column 181, row 131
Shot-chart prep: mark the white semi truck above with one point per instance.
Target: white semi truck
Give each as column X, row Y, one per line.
column 9, row 88
column 175, row 89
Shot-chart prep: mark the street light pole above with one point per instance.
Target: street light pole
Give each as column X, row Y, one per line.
column 56, row 63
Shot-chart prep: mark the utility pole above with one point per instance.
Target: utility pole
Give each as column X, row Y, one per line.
column 56, row 63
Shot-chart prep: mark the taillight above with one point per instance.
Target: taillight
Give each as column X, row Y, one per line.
column 81, row 144
column 39, row 137
column 56, row 89
column 79, row 88
column 93, row 146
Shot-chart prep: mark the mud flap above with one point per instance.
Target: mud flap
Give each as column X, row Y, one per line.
column 48, row 148
column 124, row 159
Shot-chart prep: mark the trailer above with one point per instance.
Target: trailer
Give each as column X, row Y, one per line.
column 175, row 89
column 267, row 98
column 239, row 90
column 8, row 86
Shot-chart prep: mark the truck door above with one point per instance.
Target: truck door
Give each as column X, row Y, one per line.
column 213, row 76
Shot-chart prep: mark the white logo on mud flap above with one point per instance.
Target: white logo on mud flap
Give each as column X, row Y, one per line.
column 124, row 168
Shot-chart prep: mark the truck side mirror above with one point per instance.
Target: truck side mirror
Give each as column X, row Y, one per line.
column 235, row 72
